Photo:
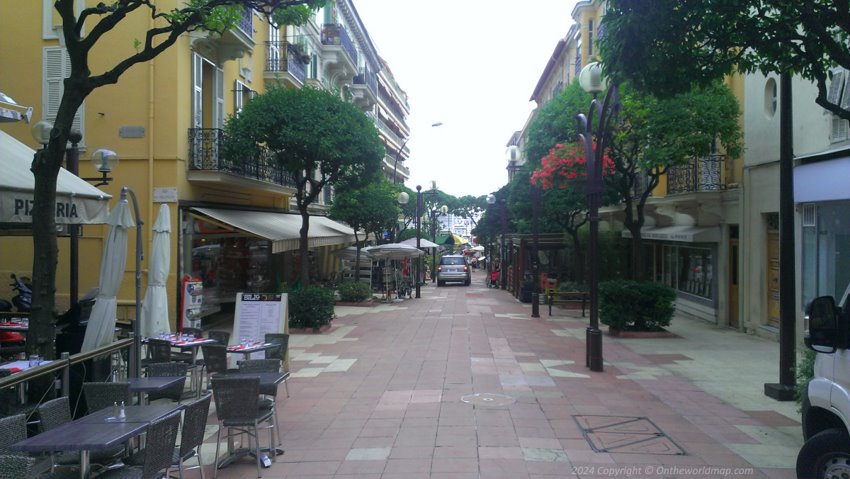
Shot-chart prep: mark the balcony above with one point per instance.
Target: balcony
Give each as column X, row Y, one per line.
column 701, row 174
column 208, row 165
column 284, row 61
column 364, row 89
column 232, row 44
column 339, row 57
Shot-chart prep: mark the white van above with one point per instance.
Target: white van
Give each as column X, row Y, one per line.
column 826, row 400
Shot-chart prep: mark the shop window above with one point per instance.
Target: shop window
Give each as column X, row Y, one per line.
column 689, row 269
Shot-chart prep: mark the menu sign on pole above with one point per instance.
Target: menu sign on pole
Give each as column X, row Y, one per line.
column 192, row 299
column 258, row 314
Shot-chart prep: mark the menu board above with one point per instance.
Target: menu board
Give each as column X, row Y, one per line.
column 193, row 298
column 258, row 314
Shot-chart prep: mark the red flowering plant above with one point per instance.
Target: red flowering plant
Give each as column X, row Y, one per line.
column 566, row 166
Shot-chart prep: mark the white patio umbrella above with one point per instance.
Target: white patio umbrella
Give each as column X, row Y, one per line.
column 101, row 327
column 423, row 243
column 394, row 251
column 154, row 318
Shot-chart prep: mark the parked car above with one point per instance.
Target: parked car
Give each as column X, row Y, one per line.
column 826, row 409
column 453, row 268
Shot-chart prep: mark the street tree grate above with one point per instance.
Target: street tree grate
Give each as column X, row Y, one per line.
column 626, row 435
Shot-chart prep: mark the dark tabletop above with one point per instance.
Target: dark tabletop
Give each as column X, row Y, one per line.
column 156, row 383
column 144, row 414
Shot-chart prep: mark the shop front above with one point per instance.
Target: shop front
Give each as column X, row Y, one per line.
column 823, row 200
column 229, row 251
column 685, row 258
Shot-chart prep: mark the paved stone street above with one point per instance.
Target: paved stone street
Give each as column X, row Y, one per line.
column 463, row 383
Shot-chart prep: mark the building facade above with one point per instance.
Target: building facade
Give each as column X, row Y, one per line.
column 165, row 118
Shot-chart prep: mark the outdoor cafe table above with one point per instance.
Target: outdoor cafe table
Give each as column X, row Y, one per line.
column 266, row 379
column 19, row 326
column 246, row 350
column 145, row 385
column 95, row 432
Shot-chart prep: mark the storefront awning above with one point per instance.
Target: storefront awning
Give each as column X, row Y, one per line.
column 282, row 229
column 685, row 234
column 77, row 202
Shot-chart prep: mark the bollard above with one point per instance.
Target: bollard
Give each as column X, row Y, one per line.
column 535, row 305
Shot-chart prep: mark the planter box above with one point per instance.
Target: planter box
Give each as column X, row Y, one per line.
column 640, row 334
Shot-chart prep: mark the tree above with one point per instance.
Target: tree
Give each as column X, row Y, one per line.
column 555, row 122
column 371, row 208
column 653, row 135
column 695, row 42
column 98, row 21
column 318, row 140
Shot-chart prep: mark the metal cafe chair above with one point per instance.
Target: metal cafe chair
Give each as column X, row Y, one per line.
column 269, row 393
column 236, row 408
column 170, row 369
column 279, row 353
column 12, row 430
column 99, row 395
column 160, row 440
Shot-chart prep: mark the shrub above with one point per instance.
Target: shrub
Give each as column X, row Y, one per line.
column 354, row 291
column 636, row 306
column 311, row 307
column 805, row 372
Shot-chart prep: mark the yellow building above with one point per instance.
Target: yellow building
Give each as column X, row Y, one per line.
column 164, row 118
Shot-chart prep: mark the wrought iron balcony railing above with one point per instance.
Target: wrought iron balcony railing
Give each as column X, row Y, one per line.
column 369, row 79
column 700, row 174
column 246, row 22
column 205, row 154
column 284, row 57
column 335, row 34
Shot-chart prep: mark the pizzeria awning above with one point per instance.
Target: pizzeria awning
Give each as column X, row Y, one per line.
column 282, row 229
column 77, row 202
column 686, row 234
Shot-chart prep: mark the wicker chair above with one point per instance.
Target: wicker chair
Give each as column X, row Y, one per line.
column 236, row 408
column 160, row 440
column 269, row 393
column 159, row 351
column 221, row 337
column 12, row 430
column 279, row 353
column 191, row 437
column 14, row 466
column 170, row 369
column 101, row 395
column 56, row 412
column 215, row 361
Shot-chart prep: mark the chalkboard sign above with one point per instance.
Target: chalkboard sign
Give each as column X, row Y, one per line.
column 258, row 314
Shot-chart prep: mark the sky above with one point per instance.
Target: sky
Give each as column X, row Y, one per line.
column 471, row 65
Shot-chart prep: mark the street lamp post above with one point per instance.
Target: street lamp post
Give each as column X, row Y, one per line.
column 443, row 210
column 503, row 218
column 591, row 81
column 418, row 236
column 535, row 251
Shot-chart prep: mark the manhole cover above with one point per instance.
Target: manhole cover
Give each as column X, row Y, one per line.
column 488, row 399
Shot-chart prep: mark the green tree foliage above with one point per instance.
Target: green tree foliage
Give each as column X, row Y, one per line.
column 318, row 139
column 83, row 32
column 371, row 208
column 555, row 123
column 653, row 135
column 668, row 46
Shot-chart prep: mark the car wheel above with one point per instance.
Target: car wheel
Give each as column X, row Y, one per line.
column 467, row 282
column 824, row 455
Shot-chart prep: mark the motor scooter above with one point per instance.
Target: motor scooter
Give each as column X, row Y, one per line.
column 22, row 302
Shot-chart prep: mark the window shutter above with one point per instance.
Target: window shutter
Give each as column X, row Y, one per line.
column 845, row 99
column 218, row 90
column 197, row 91
column 835, row 87
column 56, row 66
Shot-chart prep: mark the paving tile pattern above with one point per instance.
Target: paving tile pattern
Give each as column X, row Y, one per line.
column 379, row 396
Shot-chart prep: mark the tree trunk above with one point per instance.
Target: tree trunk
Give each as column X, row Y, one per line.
column 302, row 246
column 42, row 327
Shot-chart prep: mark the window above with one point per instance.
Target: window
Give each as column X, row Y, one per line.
column 839, row 94
column 689, row 269
column 56, row 67
column 590, row 37
column 242, row 95
column 770, row 98
column 826, row 251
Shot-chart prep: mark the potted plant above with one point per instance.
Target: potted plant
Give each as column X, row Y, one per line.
column 311, row 308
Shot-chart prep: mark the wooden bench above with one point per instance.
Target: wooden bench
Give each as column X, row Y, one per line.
column 567, row 297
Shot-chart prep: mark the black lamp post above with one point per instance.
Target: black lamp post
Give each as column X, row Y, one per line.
column 443, row 209
column 535, row 249
column 503, row 218
column 418, row 236
column 592, row 82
